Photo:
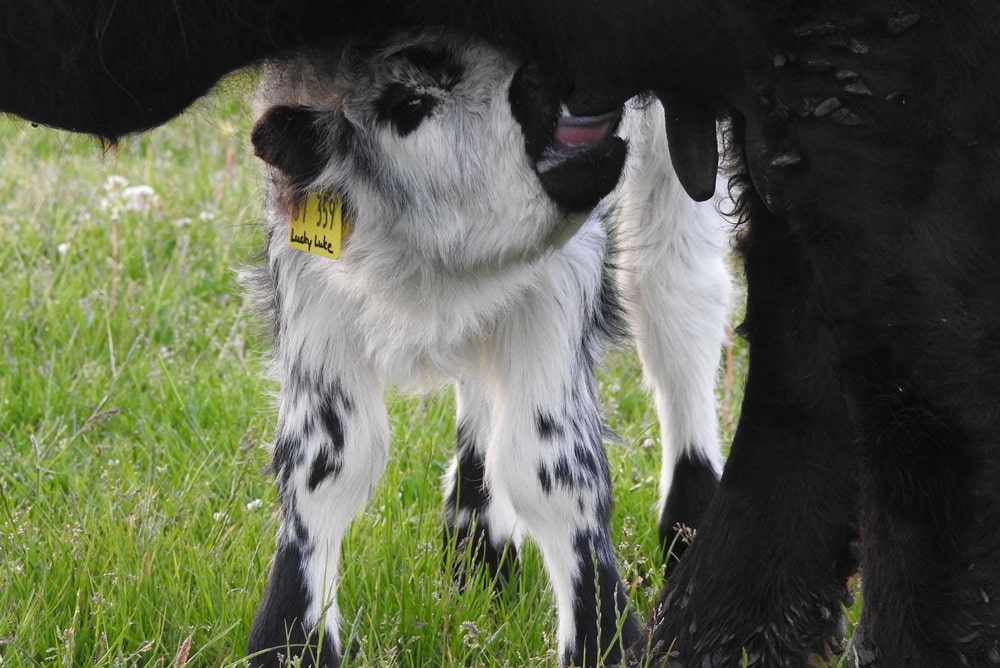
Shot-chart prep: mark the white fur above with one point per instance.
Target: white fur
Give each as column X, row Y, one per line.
column 673, row 261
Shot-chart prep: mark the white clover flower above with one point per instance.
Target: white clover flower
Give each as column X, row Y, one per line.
column 140, row 199
column 256, row 504
column 115, row 183
column 63, row 248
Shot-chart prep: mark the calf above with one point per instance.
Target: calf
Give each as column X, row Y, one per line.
column 427, row 219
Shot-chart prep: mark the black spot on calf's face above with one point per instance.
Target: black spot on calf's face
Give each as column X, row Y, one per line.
column 404, row 108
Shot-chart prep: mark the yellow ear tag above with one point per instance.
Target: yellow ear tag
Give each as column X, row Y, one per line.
column 318, row 225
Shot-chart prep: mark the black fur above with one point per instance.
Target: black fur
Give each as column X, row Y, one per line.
column 598, row 568
column 548, row 425
column 473, row 539
column 694, row 486
column 285, row 601
column 870, row 402
column 110, row 68
column 301, row 157
column 579, row 182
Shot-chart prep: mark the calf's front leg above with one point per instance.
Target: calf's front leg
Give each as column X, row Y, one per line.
column 331, row 448
column 546, row 454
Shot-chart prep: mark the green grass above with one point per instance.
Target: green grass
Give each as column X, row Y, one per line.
column 136, row 521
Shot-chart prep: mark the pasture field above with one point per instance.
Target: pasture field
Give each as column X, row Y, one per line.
column 136, row 518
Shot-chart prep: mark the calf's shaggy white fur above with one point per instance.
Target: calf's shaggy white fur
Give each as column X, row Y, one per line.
column 471, row 255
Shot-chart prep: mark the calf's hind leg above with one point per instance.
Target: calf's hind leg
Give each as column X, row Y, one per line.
column 479, row 522
column 671, row 258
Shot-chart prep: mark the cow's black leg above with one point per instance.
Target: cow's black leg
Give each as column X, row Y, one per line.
column 931, row 508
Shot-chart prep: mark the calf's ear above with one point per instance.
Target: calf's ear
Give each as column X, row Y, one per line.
column 288, row 139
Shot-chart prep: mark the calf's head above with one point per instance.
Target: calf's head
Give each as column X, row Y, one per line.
column 437, row 143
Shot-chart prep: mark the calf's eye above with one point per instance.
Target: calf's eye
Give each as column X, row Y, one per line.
column 405, row 109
